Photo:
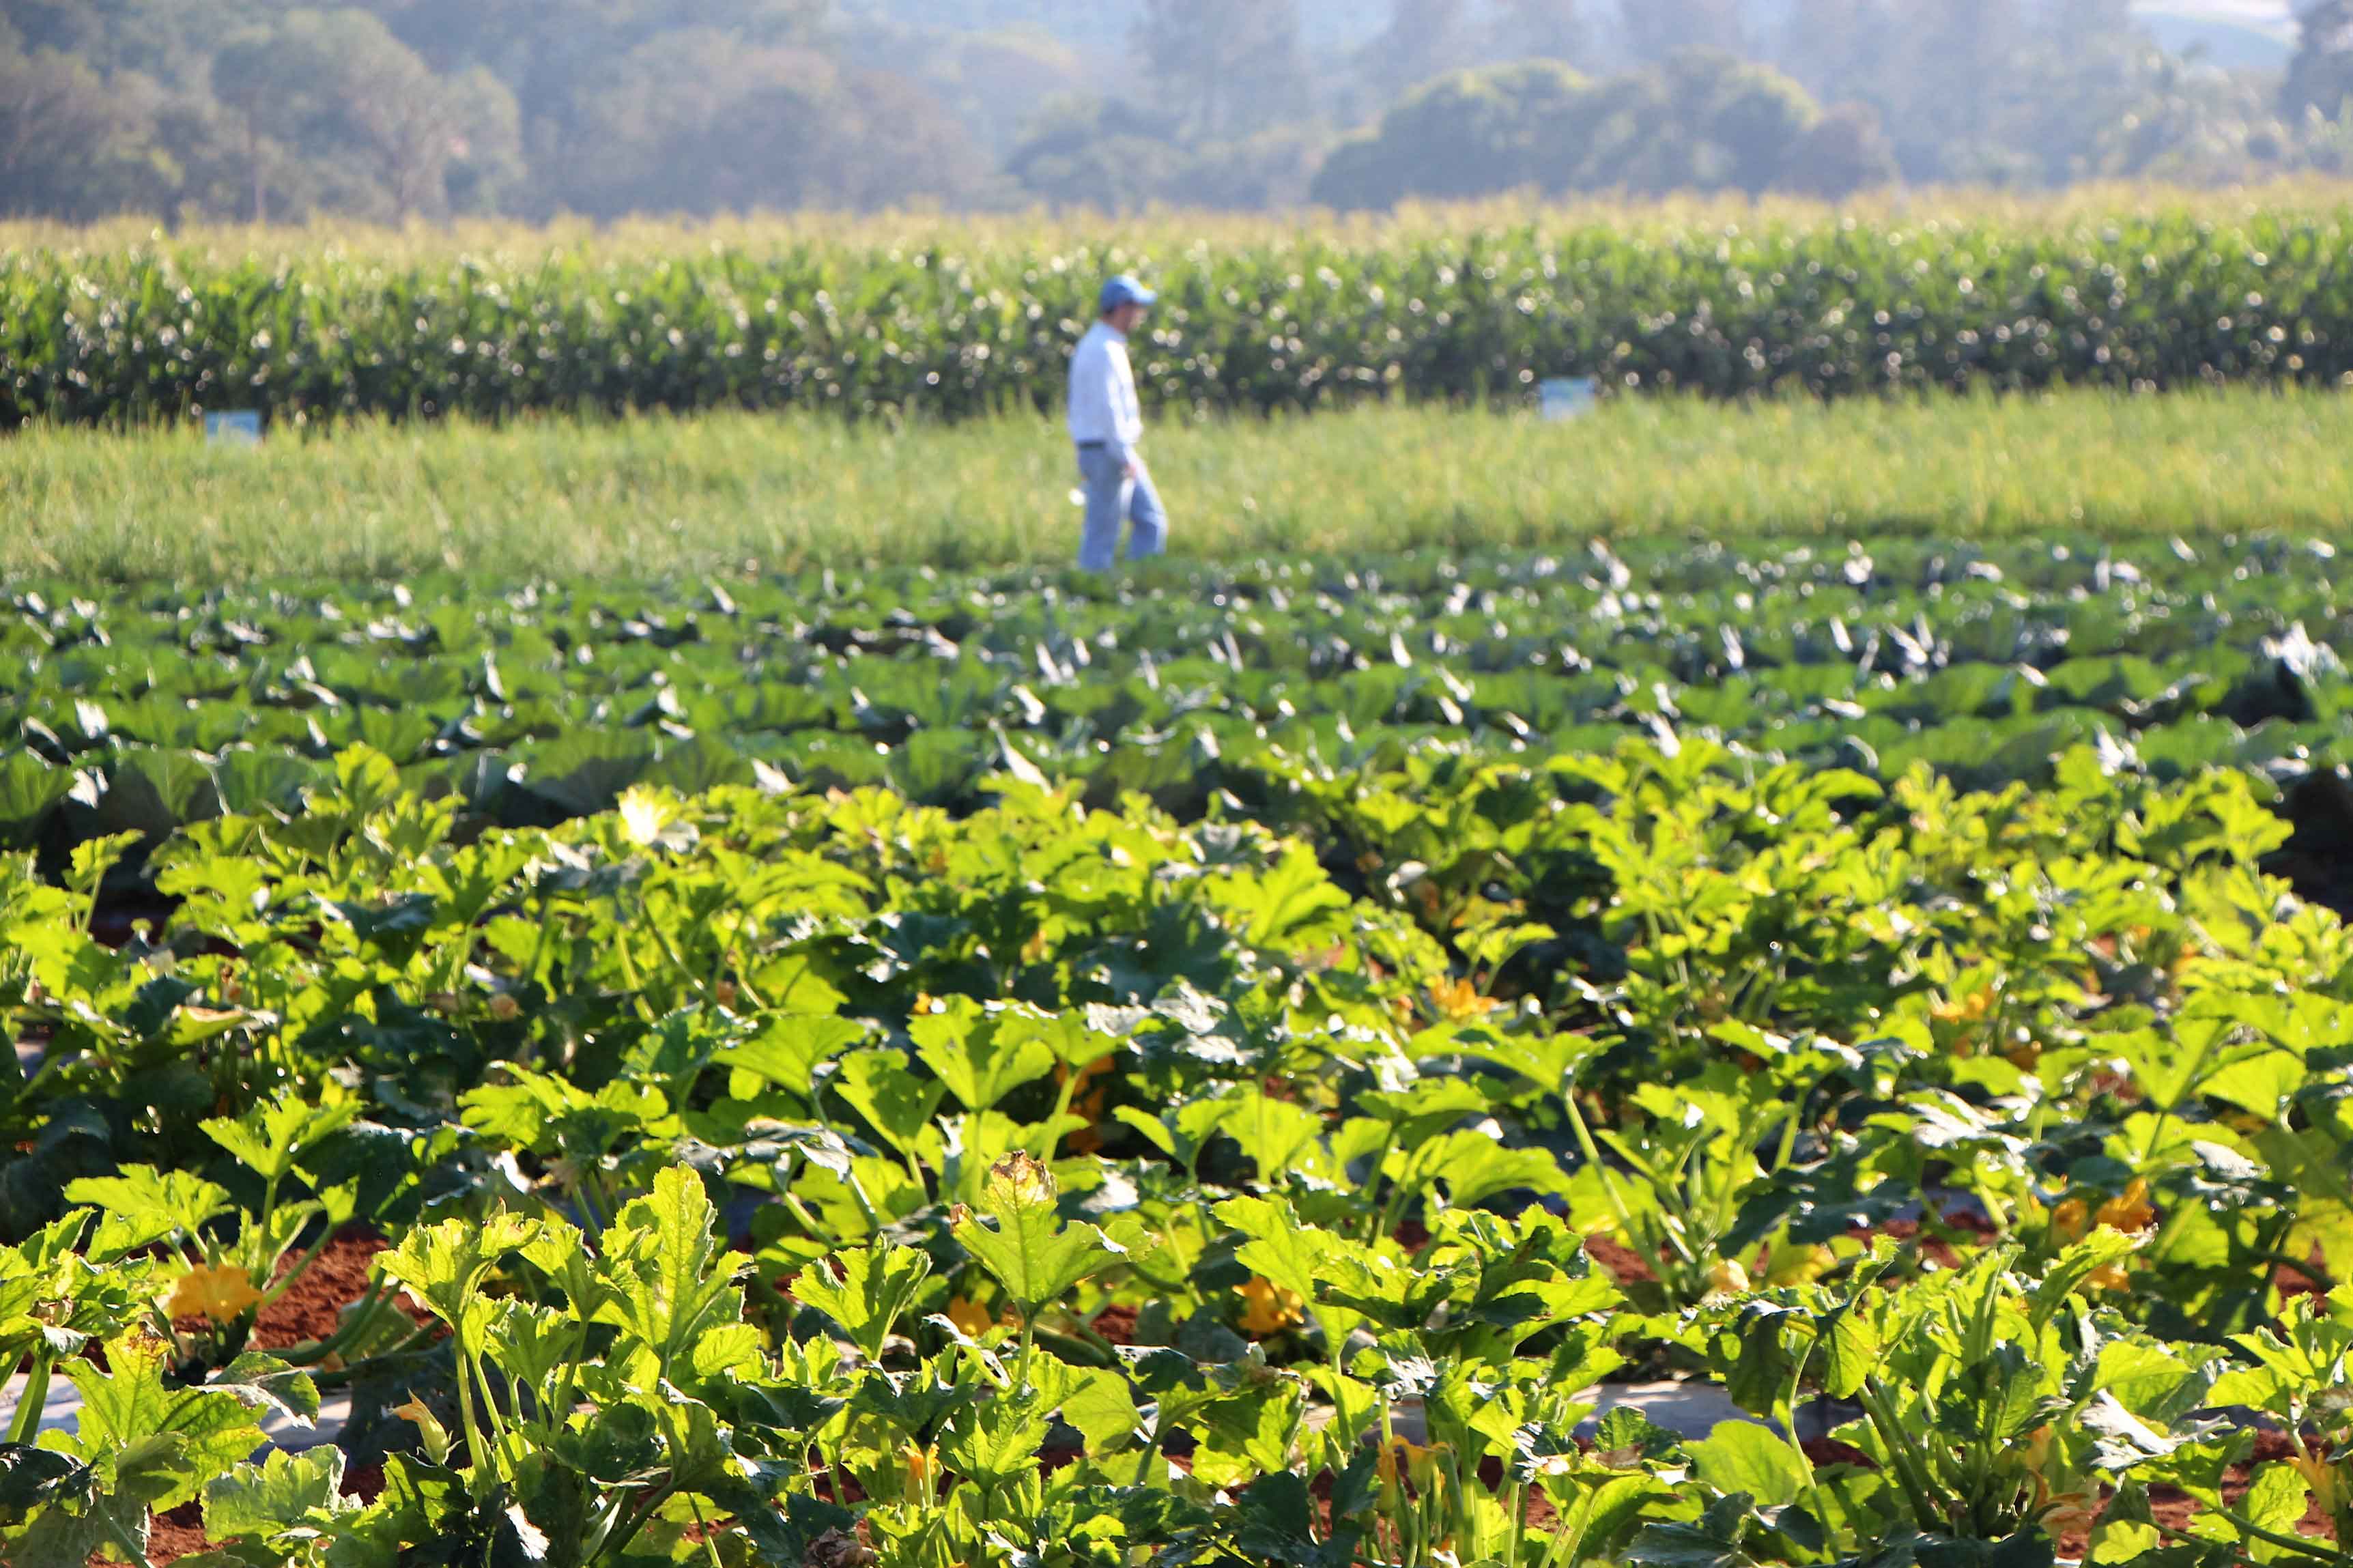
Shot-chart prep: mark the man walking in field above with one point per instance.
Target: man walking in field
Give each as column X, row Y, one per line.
column 1107, row 423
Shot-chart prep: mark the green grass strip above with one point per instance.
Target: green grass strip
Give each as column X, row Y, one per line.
column 655, row 497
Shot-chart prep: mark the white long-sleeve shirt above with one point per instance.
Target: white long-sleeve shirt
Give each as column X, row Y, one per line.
column 1103, row 393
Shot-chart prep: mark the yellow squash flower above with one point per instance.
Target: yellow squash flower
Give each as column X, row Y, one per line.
column 2130, row 1211
column 1970, row 1010
column 1457, row 1000
column 969, row 1317
column 2322, row 1475
column 920, row 1464
column 1268, row 1308
column 2070, row 1220
column 1417, row 1461
column 212, row 1291
column 1090, row 1096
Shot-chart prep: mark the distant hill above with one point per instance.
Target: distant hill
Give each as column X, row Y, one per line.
column 2259, row 33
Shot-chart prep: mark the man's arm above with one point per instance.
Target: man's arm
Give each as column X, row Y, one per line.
column 1119, row 390
column 1094, row 398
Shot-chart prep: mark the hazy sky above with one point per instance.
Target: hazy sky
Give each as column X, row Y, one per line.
column 2277, row 12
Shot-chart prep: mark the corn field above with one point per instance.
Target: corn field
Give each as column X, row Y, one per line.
column 964, row 320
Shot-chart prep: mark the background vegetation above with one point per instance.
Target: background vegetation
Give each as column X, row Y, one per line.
column 2147, row 292
column 732, row 493
column 263, row 110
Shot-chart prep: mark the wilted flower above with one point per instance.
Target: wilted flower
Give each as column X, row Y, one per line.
column 435, row 1436
column 840, row 1549
column 1021, row 1180
column 1088, row 1100
column 2070, row 1512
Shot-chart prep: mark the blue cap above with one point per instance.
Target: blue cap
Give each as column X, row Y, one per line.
column 1125, row 290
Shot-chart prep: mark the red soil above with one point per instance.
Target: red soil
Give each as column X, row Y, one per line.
column 312, row 1307
column 1619, row 1262
column 177, row 1535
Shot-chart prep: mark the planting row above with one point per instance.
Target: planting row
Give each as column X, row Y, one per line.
column 768, row 1175
column 1832, row 306
column 1237, row 689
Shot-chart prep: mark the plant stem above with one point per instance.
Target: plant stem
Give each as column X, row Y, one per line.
column 1593, row 1157
column 27, row 1419
column 2295, row 1543
column 310, row 1256
column 1914, row 1481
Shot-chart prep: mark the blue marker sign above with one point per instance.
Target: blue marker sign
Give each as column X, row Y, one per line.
column 233, row 427
column 1569, row 397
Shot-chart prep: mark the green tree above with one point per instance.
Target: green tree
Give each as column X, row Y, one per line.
column 338, row 113
column 764, row 129
column 257, row 76
column 1470, row 133
column 1423, row 39
column 1226, row 68
column 486, row 165
column 1853, row 49
column 1844, row 151
column 559, row 58
column 1961, row 92
column 2089, row 70
column 1108, row 156
column 1701, row 121
column 74, row 144
column 994, row 82
column 1747, row 117
column 169, row 41
column 2320, row 75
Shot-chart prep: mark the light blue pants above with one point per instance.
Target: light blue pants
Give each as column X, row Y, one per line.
column 1112, row 496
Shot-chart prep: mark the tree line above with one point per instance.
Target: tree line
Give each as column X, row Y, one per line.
column 394, row 110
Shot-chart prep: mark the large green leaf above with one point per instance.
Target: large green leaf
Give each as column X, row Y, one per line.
column 31, row 790
column 874, row 1286
column 282, row 1493
column 980, row 1052
column 1746, row 1456
column 136, row 1424
column 1033, row 1255
column 671, row 1281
